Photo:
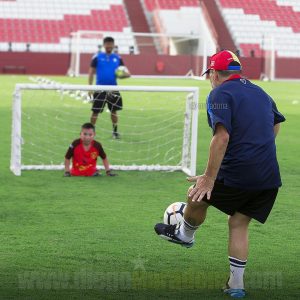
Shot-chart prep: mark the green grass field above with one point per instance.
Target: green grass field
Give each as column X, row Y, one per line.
column 93, row 238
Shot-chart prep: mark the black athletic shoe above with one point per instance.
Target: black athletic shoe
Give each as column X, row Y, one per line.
column 168, row 232
column 116, row 135
column 96, row 174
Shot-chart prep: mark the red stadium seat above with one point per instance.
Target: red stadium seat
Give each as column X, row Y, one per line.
column 267, row 10
column 19, row 30
column 258, row 24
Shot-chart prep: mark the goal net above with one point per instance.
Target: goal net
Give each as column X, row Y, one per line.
column 158, row 127
column 84, row 44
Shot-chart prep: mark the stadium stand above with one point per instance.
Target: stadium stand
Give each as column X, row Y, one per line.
column 139, row 24
column 47, row 25
column 35, row 31
column 253, row 24
column 175, row 17
column 170, row 4
column 180, row 18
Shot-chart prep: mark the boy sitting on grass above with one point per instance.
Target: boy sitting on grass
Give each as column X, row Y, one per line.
column 84, row 153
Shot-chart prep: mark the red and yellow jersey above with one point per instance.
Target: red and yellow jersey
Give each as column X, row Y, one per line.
column 84, row 162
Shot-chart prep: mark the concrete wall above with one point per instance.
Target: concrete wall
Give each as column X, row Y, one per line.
column 287, row 68
column 34, row 63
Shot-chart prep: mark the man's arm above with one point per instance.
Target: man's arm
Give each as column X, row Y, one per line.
column 205, row 182
column 92, row 72
column 218, row 146
column 276, row 129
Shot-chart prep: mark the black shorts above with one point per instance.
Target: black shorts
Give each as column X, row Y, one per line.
column 113, row 100
column 254, row 204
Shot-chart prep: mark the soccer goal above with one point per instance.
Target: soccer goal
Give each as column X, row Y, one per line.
column 84, row 44
column 158, row 127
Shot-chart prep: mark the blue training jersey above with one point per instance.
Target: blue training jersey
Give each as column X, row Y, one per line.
column 106, row 65
column 249, row 115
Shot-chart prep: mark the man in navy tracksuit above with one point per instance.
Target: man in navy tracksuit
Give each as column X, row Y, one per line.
column 242, row 174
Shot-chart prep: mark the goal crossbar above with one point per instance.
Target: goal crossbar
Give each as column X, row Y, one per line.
column 76, row 87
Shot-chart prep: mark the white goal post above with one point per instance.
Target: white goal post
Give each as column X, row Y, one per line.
column 188, row 137
column 85, row 43
column 269, row 59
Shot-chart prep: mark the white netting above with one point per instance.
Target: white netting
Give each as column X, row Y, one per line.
column 84, row 44
column 155, row 128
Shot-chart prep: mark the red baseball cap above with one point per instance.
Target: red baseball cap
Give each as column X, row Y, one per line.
column 224, row 61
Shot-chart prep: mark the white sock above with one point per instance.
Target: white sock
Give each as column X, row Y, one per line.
column 186, row 231
column 237, row 268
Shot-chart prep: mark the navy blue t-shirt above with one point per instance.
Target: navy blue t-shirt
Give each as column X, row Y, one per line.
column 249, row 115
column 106, row 65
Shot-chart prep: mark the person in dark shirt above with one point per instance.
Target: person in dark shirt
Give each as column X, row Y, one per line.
column 84, row 153
column 242, row 174
column 104, row 65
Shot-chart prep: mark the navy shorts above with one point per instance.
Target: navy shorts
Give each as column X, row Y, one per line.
column 112, row 99
column 254, row 204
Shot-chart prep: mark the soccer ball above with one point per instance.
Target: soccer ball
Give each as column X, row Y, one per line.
column 121, row 71
column 174, row 213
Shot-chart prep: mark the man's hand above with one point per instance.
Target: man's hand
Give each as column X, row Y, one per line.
column 204, row 186
column 124, row 75
column 67, row 174
column 109, row 173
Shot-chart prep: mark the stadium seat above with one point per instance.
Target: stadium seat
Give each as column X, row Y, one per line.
column 263, row 24
column 176, row 16
column 180, row 18
column 50, row 22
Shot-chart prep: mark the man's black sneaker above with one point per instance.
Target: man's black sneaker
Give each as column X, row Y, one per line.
column 116, row 135
column 168, row 232
column 96, row 174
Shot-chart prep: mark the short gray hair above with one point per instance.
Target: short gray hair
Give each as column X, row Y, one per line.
column 227, row 73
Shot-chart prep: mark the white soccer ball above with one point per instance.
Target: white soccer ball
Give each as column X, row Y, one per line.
column 174, row 213
column 121, row 71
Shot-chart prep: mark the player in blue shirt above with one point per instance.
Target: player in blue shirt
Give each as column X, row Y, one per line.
column 242, row 174
column 104, row 65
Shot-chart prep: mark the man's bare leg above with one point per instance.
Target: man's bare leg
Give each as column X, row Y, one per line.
column 238, row 249
column 194, row 216
column 114, row 120
column 94, row 118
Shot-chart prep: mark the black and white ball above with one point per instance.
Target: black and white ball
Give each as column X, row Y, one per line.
column 174, row 213
column 121, row 71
